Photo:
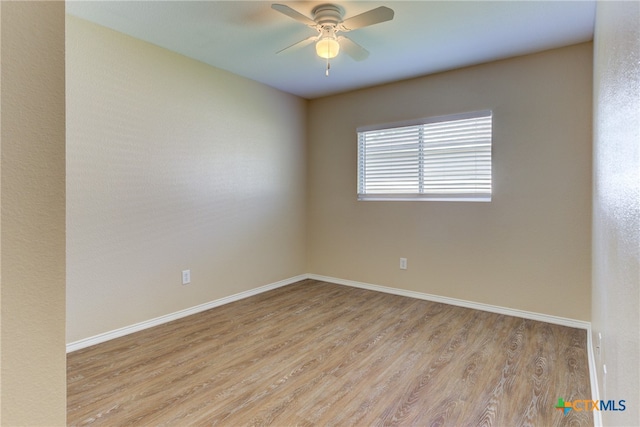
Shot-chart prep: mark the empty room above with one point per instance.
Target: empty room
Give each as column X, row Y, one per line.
column 303, row 213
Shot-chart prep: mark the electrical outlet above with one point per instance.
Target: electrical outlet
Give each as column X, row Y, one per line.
column 403, row 263
column 186, row 277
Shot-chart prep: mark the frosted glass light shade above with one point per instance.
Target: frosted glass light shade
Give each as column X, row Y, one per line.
column 327, row 48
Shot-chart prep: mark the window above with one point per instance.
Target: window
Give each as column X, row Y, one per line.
column 439, row 158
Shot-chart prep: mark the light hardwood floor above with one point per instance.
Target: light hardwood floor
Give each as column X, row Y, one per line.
column 315, row 353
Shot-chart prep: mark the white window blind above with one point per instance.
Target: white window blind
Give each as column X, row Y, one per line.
column 440, row 158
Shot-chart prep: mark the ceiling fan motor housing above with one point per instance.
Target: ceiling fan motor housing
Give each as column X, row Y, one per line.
column 328, row 14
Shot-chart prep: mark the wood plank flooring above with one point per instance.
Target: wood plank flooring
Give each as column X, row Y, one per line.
column 319, row 354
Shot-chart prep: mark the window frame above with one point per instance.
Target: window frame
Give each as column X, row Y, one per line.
column 456, row 195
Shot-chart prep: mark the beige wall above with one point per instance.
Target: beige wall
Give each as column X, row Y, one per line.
column 173, row 165
column 32, row 219
column 544, row 275
column 616, row 206
column 528, row 249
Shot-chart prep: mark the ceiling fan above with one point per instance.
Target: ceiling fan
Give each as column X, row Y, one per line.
column 327, row 20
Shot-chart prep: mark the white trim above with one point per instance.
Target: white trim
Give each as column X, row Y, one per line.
column 117, row 333
column 597, row 417
column 97, row 339
column 564, row 321
column 593, row 376
column 426, row 120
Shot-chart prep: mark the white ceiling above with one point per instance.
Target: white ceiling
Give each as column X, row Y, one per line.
column 424, row 37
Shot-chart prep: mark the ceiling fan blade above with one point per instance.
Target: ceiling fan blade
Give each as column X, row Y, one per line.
column 374, row 16
column 353, row 49
column 293, row 14
column 298, row 45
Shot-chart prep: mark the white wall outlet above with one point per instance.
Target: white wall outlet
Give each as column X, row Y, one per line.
column 186, row 277
column 403, row 263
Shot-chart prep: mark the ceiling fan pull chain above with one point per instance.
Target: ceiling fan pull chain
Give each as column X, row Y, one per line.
column 328, row 68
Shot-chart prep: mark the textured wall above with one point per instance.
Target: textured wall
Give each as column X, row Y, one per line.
column 32, row 219
column 528, row 249
column 173, row 165
column 616, row 206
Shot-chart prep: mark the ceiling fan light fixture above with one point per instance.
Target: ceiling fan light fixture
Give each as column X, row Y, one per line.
column 327, row 47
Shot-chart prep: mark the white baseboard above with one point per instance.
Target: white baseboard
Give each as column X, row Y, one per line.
column 86, row 342
column 117, row 333
column 593, row 377
column 580, row 324
column 563, row 321
column 97, row 339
